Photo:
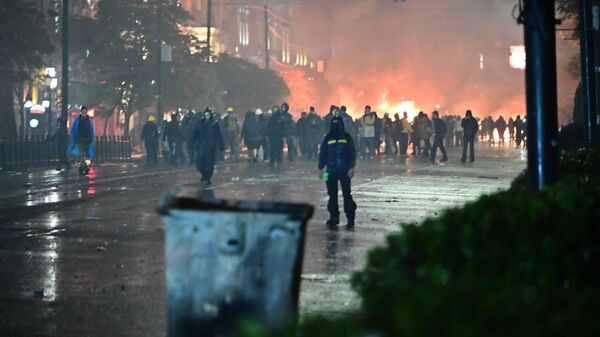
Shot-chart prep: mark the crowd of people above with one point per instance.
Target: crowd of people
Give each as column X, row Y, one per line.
column 335, row 140
column 265, row 134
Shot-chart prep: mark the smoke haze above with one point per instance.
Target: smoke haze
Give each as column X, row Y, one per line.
column 425, row 54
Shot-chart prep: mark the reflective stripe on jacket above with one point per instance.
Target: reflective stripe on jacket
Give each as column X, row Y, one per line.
column 337, row 153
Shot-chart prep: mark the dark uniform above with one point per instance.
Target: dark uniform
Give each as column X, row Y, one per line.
column 501, row 127
column 150, row 138
column 84, row 133
column 207, row 138
column 187, row 127
column 263, row 123
column 470, row 127
column 276, row 133
column 289, row 131
column 511, row 129
column 338, row 155
column 252, row 133
column 174, row 137
column 519, row 128
column 301, row 130
column 439, row 133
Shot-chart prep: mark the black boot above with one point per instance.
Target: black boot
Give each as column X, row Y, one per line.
column 350, row 224
column 333, row 222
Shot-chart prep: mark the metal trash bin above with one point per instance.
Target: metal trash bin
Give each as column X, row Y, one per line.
column 227, row 260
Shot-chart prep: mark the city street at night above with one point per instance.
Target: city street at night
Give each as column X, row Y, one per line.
column 299, row 168
column 85, row 256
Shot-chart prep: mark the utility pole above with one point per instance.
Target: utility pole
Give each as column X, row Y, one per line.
column 266, row 37
column 65, row 65
column 208, row 25
column 588, row 70
column 540, row 77
column 159, row 112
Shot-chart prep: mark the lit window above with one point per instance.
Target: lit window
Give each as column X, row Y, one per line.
column 518, row 57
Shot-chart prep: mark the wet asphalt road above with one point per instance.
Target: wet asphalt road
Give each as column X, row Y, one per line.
column 84, row 256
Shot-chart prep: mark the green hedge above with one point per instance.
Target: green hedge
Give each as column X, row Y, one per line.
column 515, row 263
column 511, row 263
column 579, row 162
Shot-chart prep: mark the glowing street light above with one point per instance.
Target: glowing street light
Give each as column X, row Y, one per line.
column 51, row 72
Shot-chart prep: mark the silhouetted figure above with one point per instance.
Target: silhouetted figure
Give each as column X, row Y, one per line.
column 252, row 133
column 276, row 133
column 470, row 128
column 173, row 137
column 150, row 138
column 207, row 139
column 301, row 132
column 439, row 133
column 289, row 131
column 511, row 129
column 519, row 129
column 501, row 128
column 187, row 127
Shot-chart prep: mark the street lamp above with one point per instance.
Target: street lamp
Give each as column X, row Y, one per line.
column 51, row 82
column 33, row 123
column 50, row 72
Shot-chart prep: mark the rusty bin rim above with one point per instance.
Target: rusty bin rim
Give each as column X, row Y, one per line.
column 299, row 212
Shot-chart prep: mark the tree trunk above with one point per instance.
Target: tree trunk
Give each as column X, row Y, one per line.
column 126, row 127
column 8, row 124
column 107, row 118
column 128, row 113
column 19, row 91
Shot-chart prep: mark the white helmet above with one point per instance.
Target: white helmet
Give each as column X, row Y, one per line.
column 258, row 112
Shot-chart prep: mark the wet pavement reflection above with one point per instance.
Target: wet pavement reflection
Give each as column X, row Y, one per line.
column 83, row 256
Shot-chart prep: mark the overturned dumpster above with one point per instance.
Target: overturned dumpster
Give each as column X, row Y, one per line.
column 232, row 260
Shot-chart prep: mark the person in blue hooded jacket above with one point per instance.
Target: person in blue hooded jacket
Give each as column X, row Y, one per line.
column 337, row 155
column 82, row 135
